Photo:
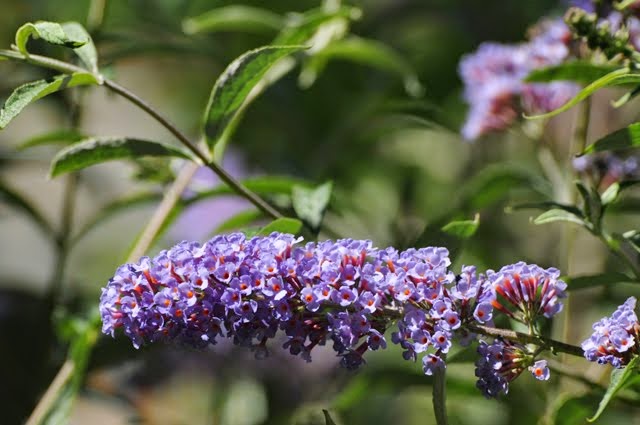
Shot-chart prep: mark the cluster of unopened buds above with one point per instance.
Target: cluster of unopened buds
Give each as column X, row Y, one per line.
column 346, row 292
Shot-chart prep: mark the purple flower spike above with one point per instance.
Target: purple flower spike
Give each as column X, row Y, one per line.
column 615, row 339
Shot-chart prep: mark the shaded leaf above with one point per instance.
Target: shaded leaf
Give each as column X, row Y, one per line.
column 237, row 221
column 65, row 136
column 462, row 229
column 617, row 77
column 115, row 207
column 234, row 18
column 15, row 200
column 30, row 92
column 234, row 85
column 625, row 138
column 620, row 378
column 87, row 52
column 578, row 71
column 371, row 53
column 282, row 225
column 310, row 203
column 97, row 150
column 558, row 215
column 589, row 281
column 51, row 32
column 545, row 206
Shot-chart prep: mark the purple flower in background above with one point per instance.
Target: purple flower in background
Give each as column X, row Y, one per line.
column 540, row 370
column 607, row 168
column 616, row 339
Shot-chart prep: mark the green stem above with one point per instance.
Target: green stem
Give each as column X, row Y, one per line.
column 548, row 343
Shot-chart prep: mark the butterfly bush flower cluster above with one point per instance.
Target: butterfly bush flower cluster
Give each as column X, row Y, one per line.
column 616, row 339
column 607, row 168
column 493, row 79
column 346, row 292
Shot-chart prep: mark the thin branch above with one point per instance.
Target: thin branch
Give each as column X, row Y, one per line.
column 551, row 344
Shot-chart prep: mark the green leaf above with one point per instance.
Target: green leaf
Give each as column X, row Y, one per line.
column 268, row 185
column 50, row 32
column 300, row 28
column 558, row 215
column 610, row 194
column 310, row 203
column 234, row 18
column 578, row 71
column 64, row 136
column 620, row 378
column 625, row 138
column 282, row 225
column 14, row 199
column 327, row 418
column 87, row 52
column 240, row 220
column 234, row 85
column 624, row 99
column 30, row 92
column 115, row 207
column 617, row 77
column 589, row 281
column 494, row 183
column 462, row 229
column 545, row 206
column 367, row 52
column 97, row 150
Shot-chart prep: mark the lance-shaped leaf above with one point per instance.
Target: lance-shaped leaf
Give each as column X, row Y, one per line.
column 87, row 52
column 51, row 32
column 558, row 215
column 620, row 378
column 16, row 200
column 578, row 71
column 625, row 138
column 97, row 150
column 234, row 18
column 371, row 53
column 234, row 85
column 462, row 229
column 282, row 225
column 301, row 27
column 589, row 281
column 64, row 136
column 30, row 92
column 310, row 203
column 328, row 420
column 617, row 77
column 545, row 206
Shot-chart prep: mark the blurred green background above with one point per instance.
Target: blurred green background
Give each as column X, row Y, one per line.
column 398, row 167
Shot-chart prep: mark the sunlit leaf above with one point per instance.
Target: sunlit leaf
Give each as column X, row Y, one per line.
column 617, row 77
column 282, row 225
column 234, row 85
column 30, row 92
column 578, row 71
column 87, row 52
column 97, row 150
column 301, row 27
column 310, row 203
column 558, row 215
column 462, row 229
column 234, row 18
column 620, row 378
column 545, row 206
column 610, row 194
column 625, row 138
column 51, row 32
